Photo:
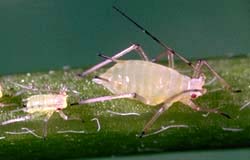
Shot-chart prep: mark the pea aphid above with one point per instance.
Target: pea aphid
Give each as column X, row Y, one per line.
column 152, row 83
column 42, row 105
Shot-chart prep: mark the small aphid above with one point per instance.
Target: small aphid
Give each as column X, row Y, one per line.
column 152, row 83
column 43, row 105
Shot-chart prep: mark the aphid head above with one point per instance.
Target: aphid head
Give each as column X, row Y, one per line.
column 197, row 84
column 64, row 93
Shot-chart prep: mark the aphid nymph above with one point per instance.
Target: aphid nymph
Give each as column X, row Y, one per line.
column 42, row 105
column 152, row 83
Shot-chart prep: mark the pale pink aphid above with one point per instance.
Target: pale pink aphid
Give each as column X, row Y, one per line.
column 152, row 83
column 42, row 105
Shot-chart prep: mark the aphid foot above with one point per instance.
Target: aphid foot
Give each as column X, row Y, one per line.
column 80, row 75
column 236, row 90
column 74, row 104
column 226, row 115
column 142, row 134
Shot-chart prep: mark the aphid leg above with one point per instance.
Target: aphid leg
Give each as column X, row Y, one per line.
column 168, row 103
column 135, row 47
column 107, row 98
column 7, row 105
column 18, row 110
column 165, row 107
column 45, row 125
column 20, row 119
column 198, row 71
column 169, row 55
column 198, row 108
column 64, row 116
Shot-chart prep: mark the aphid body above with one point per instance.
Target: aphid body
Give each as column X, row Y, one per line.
column 46, row 103
column 153, row 83
column 43, row 105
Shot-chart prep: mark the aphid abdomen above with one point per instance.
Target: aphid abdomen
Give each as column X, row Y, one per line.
column 40, row 103
column 152, row 81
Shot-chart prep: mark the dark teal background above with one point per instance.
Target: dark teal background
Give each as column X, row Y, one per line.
column 37, row 35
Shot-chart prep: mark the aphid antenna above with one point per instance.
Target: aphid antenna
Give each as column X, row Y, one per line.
column 153, row 37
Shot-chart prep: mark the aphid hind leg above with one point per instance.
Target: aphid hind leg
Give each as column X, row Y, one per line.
column 107, row 98
column 198, row 71
column 198, row 108
column 133, row 47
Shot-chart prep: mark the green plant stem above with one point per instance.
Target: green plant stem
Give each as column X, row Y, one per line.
column 118, row 133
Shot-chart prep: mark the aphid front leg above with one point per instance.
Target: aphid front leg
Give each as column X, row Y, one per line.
column 64, row 116
column 191, row 104
column 198, row 71
column 133, row 47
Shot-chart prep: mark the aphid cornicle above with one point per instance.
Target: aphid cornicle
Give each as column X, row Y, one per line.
column 152, row 83
column 43, row 105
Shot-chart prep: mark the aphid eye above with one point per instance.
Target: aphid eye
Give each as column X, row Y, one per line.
column 193, row 96
column 58, row 109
